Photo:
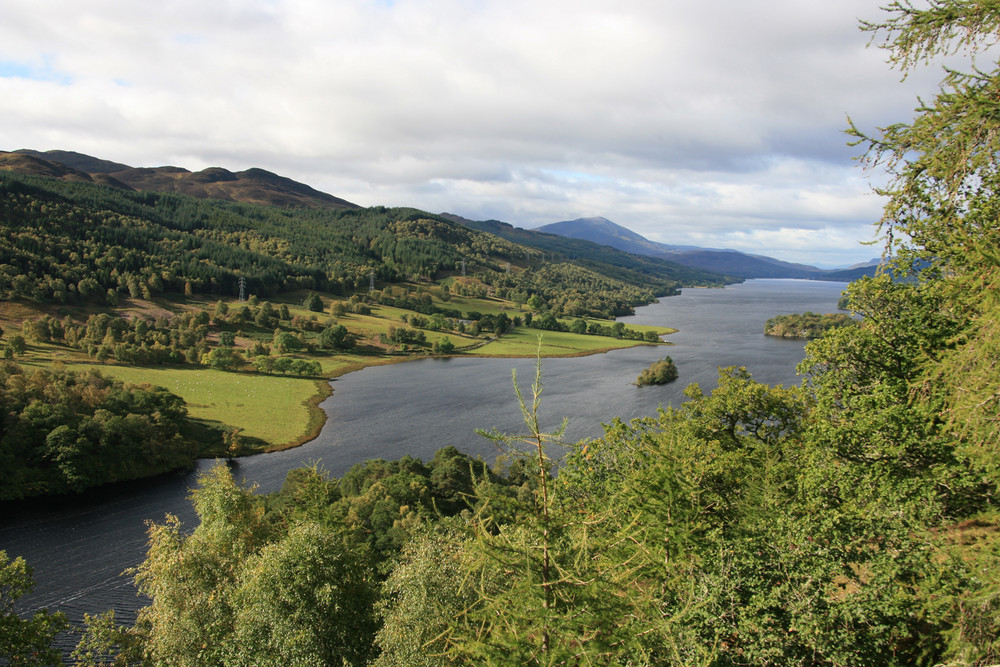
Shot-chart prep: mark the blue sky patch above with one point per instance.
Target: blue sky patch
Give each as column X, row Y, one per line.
column 10, row 69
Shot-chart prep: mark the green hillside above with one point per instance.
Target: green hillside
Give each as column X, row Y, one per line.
column 73, row 241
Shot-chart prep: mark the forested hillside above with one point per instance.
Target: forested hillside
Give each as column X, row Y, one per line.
column 69, row 241
column 851, row 520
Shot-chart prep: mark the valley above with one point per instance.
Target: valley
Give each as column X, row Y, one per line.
column 245, row 311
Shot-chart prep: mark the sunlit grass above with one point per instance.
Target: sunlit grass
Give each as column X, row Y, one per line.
column 523, row 342
column 273, row 408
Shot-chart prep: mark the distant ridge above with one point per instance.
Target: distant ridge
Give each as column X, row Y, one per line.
column 603, row 231
column 252, row 186
column 78, row 161
column 28, row 164
column 727, row 262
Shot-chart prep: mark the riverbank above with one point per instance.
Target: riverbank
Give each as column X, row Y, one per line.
column 244, row 412
column 519, row 343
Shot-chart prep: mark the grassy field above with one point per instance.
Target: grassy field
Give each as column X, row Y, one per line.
column 368, row 327
column 281, row 411
column 523, row 342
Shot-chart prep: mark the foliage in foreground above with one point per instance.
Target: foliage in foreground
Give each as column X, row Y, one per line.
column 725, row 532
column 25, row 641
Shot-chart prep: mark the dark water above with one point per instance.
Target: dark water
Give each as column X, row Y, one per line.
column 79, row 551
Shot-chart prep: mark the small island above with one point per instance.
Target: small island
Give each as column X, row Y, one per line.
column 660, row 372
column 806, row 325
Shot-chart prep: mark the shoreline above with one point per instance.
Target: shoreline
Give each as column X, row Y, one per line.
column 318, row 417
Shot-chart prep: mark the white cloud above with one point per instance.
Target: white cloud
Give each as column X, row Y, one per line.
column 719, row 123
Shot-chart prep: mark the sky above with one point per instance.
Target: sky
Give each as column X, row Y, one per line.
column 718, row 124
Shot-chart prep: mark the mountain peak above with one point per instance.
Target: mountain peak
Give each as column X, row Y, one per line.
column 601, row 230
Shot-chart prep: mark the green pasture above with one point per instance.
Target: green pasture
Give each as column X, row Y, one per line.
column 279, row 410
column 523, row 342
column 368, row 327
column 484, row 305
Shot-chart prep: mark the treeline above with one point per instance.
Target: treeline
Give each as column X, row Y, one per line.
column 443, row 318
column 548, row 322
column 180, row 339
column 806, row 325
column 574, row 290
column 184, row 338
column 64, row 431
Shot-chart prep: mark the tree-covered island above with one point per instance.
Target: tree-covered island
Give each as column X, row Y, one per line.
column 806, row 325
column 659, row 372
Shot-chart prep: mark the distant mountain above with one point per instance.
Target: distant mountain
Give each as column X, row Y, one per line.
column 560, row 248
column 252, row 186
column 727, row 262
column 603, row 231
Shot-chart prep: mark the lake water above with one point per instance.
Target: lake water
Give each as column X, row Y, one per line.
column 80, row 549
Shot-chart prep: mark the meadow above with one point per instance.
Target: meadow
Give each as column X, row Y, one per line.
column 277, row 410
column 524, row 342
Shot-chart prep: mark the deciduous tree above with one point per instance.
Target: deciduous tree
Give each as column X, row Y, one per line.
column 25, row 641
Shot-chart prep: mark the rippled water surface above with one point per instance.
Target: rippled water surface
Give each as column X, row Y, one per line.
column 79, row 551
